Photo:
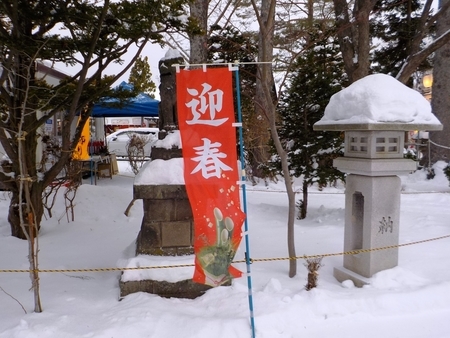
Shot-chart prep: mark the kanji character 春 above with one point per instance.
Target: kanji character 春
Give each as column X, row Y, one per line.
column 209, row 162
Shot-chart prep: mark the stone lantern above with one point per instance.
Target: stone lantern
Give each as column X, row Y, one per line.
column 374, row 113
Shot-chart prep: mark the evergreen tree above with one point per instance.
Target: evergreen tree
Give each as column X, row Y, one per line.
column 317, row 76
column 90, row 34
column 393, row 29
column 141, row 77
column 354, row 33
column 440, row 100
column 94, row 34
column 229, row 45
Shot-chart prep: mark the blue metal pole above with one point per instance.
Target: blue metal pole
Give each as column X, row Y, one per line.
column 244, row 198
column 91, row 163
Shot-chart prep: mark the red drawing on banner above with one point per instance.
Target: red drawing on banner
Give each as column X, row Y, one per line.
column 205, row 101
column 209, row 162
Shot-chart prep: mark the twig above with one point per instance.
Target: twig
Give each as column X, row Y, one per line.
column 127, row 211
column 14, row 299
column 313, row 265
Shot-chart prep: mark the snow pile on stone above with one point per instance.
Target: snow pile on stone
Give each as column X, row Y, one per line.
column 163, row 171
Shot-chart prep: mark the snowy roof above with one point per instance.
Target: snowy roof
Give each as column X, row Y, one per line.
column 378, row 102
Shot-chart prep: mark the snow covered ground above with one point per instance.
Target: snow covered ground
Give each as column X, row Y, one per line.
column 411, row 300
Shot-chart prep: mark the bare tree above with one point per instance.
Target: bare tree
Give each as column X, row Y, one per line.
column 136, row 151
column 266, row 103
column 28, row 222
column 136, row 158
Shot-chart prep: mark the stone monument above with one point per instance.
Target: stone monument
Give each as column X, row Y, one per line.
column 374, row 113
column 167, row 228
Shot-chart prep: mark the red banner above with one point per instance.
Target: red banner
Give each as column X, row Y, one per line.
column 208, row 137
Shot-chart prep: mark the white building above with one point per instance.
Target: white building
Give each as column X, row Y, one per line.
column 52, row 77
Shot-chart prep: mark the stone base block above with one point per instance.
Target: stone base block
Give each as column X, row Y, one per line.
column 182, row 289
column 165, row 154
column 342, row 274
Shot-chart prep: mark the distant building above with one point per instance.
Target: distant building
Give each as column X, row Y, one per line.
column 52, row 126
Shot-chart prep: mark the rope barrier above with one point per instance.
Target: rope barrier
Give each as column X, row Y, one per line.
column 438, row 145
column 253, row 260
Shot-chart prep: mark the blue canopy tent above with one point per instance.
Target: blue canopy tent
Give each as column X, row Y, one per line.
column 140, row 105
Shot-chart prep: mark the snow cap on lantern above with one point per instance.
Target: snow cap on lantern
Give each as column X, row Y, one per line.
column 378, row 102
column 374, row 112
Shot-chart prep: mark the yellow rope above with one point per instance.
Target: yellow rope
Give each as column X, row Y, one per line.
column 353, row 252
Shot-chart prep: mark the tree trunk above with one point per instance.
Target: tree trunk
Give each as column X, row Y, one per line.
column 14, row 218
column 440, row 100
column 266, row 102
column 13, row 213
column 198, row 42
column 258, row 147
column 304, row 205
column 265, row 54
column 354, row 36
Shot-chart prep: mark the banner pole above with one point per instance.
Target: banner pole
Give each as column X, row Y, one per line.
column 244, row 199
column 91, row 163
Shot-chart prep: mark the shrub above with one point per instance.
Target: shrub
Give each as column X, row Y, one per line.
column 447, row 172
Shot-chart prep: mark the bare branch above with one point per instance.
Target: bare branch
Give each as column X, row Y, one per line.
column 415, row 60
